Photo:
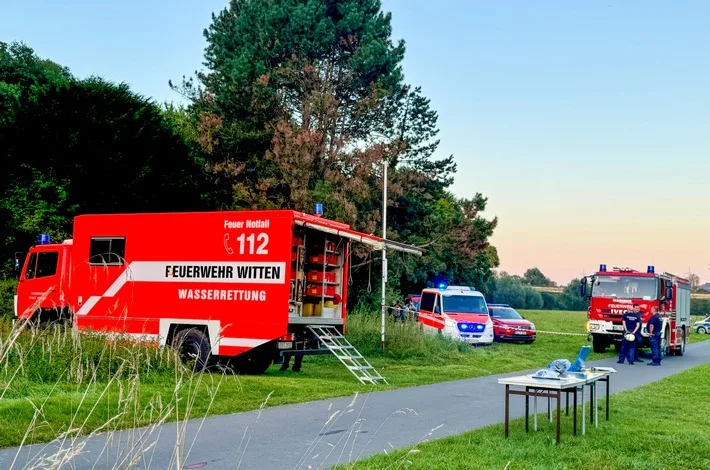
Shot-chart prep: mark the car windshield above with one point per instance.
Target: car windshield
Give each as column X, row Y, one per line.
column 625, row 287
column 505, row 314
column 464, row 304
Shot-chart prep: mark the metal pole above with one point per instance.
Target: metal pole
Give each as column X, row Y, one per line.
column 384, row 252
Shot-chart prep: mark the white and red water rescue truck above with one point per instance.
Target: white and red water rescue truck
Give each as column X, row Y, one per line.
column 457, row 312
column 244, row 286
column 611, row 293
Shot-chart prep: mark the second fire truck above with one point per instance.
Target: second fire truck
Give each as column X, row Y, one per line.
column 611, row 293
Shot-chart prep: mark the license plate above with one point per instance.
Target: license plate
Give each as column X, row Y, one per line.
column 617, row 328
column 521, row 332
column 285, row 345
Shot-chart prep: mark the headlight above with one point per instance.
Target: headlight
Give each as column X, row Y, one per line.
column 449, row 322
column 532, row 326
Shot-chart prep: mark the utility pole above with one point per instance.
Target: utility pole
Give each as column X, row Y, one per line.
column 384, row 251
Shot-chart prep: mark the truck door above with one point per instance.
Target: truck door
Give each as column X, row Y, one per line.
column 430, row 311
column 40, row 280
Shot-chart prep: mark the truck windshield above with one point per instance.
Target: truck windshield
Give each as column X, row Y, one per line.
column 464, row 304
column 625, row 287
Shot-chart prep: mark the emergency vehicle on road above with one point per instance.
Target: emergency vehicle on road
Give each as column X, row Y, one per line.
column 611, row 293
column 457, row 312
column 246, row 286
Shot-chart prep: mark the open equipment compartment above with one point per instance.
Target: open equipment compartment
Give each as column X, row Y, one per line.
column 318, row 266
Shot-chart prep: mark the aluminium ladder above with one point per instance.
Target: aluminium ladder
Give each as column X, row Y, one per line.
column 346, row 352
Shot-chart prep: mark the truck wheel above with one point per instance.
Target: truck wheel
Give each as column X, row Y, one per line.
column 681, row 349
column 617, row 346
column 599, row 343
column 665, row 349
column 192, row 345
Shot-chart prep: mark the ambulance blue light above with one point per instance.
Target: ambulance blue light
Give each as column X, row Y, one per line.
column 442, row 286
column 651, row 269
column 44, row 239
column 602, row 268
column 318, row 208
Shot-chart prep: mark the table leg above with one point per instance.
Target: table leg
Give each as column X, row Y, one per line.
column 535, row 411
column 549, row 409
column 584, row 417
column 574, row 411
column 591, row 403
column 567, row 403
column 596, row 406
column 507, row 404
column 607, row 397
column 559, row 398
column 527, row 409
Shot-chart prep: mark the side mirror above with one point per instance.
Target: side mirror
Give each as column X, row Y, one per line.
column 583, row 287
column 669, row 292
column 16, row 267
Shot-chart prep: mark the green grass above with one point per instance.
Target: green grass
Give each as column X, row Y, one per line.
column 657, row 426
column 47, row 383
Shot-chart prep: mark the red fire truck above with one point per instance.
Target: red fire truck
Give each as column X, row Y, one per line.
column 244, row 286
column 611, row 293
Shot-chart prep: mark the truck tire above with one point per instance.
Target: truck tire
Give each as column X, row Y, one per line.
column 193, row 345
column 681, row 349
column 665, row 349
column 599, row 343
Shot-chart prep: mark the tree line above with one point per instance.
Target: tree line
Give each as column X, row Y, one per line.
column 518, row 292
column 301, row 101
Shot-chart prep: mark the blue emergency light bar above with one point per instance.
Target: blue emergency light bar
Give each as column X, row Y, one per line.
column 651, row 269
column 602, row 268
column 44, row 239
column 318, row 208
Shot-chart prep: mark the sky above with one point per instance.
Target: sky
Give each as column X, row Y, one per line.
column 585, row 123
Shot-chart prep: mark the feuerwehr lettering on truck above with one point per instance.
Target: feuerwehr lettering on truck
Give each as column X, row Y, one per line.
column 238, row 272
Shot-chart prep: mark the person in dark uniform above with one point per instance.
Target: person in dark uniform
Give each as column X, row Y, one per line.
column 296, row 363
column 631, row 322
column 655, row 326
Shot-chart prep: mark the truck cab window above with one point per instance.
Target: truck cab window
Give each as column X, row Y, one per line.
column 42, row 264
column 107, row 251
column 47, row 263
column 31, row 266
column 427, row 302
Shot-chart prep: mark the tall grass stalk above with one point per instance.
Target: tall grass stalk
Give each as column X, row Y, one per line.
column 105, row 378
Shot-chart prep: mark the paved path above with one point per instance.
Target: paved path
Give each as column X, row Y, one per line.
column 320, row 434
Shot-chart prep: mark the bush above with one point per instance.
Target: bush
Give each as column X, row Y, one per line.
column 550, row 301
column 8, row 288
column 700, row 307
column 402, row 339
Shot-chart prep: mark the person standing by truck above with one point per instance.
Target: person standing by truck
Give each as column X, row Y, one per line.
column 631, row 321
column 655, row 327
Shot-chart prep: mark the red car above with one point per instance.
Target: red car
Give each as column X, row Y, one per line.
column 509, row 325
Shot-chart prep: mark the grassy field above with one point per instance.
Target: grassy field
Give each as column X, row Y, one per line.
column 51, row 384
column 657, row 426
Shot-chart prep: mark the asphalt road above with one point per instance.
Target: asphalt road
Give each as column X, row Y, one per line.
column 320, row 434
